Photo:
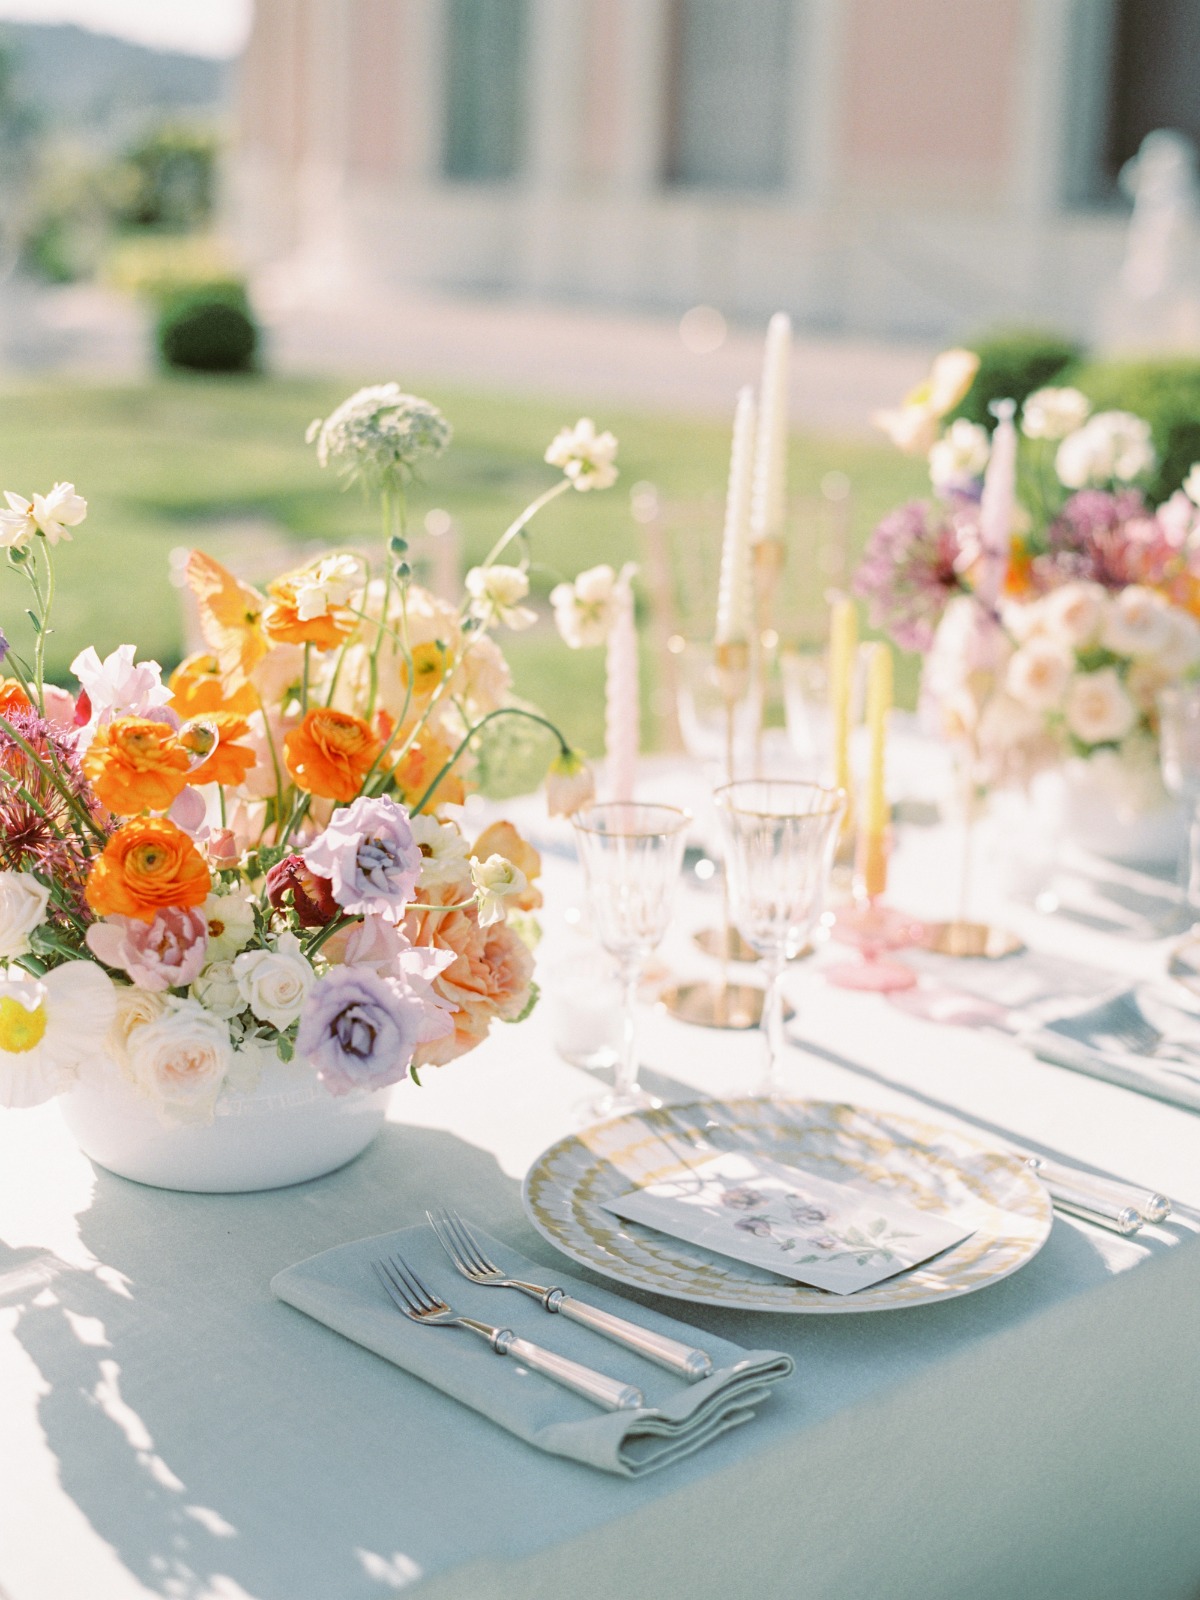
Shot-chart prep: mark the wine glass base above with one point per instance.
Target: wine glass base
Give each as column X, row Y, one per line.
column 872, row 976
column 621, row 1104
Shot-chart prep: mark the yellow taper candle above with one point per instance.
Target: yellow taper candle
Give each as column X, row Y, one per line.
column 843, row 646
column 875, row 813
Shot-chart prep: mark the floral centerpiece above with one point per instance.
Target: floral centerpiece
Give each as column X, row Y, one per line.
column 263, row 859
column 1051, row 600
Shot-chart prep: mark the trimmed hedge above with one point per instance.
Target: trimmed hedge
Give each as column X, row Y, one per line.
column 1011, row 366
column 208, row 328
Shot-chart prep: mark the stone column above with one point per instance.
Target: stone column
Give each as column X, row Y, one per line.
column 642, row 91
column 422, row 89
column 553, row 122
column 817, row 75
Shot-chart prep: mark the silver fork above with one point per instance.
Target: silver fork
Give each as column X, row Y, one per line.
column 409, row 1294
column 468, row 1256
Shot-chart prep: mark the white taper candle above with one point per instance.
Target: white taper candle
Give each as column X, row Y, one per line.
column 768, row 513
column 733, row 593
column 621, row 694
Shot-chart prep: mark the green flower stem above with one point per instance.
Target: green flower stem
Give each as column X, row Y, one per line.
column 297, row 816
column 304, row 677
column 327, row 932
column 526, row 516
column 274, row 763
column 39, row 648
column 504, row 711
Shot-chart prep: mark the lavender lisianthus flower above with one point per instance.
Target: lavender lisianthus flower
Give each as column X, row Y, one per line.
column 369, row 855
column 360, row 1029
column 910, row 572
column 3, row 646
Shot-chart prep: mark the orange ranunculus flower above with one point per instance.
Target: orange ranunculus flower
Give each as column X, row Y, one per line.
column 136, row 765
column 199, row 688
column 420, row 765
column 330, row 753
column 215, row 738
column 283, row 623
column 147, row 865
column 502, row 839
column 13, row 696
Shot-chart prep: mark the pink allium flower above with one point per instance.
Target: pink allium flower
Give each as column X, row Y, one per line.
column 39, row 830
column 910, row 572
column 1111, row 539
column 167, row 953
column 370, row 856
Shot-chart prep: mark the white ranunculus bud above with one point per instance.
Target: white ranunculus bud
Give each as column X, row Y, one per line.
column 23, row 902
column 496, row 880
column 217, row 989
column 274, row 983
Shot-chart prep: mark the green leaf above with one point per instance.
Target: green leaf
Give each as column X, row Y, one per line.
column 534, row 996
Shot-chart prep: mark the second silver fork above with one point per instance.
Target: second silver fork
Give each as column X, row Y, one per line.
column 461, row 1245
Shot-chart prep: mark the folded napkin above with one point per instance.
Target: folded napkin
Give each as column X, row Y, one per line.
column 1095, row 1041
column 340, row 1289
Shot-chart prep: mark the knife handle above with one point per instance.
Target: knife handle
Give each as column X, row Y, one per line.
column 670, row 1353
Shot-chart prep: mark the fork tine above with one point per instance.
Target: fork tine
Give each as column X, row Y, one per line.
column 396, row 1293
column 428, row 1300
column 467, row 1239
column 440, row 1224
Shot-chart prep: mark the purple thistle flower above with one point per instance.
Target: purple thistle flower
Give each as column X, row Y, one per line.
column 910, row 571
column 40, row 831
column 1111, row 539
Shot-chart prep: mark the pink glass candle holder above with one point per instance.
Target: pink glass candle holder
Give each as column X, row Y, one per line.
column 873, row 929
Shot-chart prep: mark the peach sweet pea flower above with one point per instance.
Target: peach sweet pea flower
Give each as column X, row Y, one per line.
column 147, row 865
column 330, row 753
column 490, row 975
column 198, row 689
column 135, row 764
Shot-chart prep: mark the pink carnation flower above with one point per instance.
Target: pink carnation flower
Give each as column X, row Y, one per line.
column 167, row 953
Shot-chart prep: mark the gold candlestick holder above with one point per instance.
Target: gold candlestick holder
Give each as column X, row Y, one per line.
column 962, row 936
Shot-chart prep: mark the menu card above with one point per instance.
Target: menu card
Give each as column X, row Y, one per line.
column 835, row 1236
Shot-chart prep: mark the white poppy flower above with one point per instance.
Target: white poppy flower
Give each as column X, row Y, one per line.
column 23, row 902
column 444, row 852
column 230, row 922
column 1054, row 413
column 587, row 458
column 496, row 593
column 48, row 1026
column 913, row 425
column 1098, row 710
column 584, row 610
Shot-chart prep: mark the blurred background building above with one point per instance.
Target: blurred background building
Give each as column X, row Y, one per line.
column 895, row 168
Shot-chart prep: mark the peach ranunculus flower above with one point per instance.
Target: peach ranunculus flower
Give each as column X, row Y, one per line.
column 147, row 865
column 330, row 753
column 490, row 976
column 216, row 740
column 198, row 689
column 135, row 764
column 502, row 839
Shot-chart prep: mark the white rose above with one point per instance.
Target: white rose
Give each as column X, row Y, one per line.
column 1037, row 676
column 230, row 922
column 1098, row 710
column 1182, row 648
column 218, row 990
column 960, row 455
column 274, row 983
column 1054, row 413
column 135, row 1007
column 1137, row 623
column 1075, row 613
column 496, row 880
column 180, row 1059
column 496, row 593
column 23, row 902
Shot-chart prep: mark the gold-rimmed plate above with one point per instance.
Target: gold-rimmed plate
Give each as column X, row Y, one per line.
column 930, row 1167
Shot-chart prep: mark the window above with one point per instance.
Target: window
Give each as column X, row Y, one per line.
column 1155, row 83
column 485, row 89
column 729, row 79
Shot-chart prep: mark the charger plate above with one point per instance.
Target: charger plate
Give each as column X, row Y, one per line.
column 933, row 1168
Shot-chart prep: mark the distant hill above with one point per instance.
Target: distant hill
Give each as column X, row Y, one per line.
column 107, row 88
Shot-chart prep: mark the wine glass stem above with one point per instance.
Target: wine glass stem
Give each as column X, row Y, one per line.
column 772, row 1022
column 1191, row 862
column 625, row 1081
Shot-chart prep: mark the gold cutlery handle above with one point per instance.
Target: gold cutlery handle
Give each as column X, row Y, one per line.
column 670, row 1353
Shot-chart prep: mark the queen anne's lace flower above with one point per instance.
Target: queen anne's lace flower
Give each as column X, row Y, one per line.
column 379, row 434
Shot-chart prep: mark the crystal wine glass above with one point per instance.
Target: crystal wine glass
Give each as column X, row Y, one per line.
column 631, row 855
column 779, row 842
column 1179, row 743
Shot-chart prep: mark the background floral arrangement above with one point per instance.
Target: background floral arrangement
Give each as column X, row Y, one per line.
column 264, row 857
column 1062, row 648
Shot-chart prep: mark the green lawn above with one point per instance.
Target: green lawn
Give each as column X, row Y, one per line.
column 176, row 462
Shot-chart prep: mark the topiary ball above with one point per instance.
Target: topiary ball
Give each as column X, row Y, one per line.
column 208, row 332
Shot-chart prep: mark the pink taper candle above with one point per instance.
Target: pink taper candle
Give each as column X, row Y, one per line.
column 621, row 694
column 998, row 504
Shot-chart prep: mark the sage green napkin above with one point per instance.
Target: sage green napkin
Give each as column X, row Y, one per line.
column 340, row 1289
